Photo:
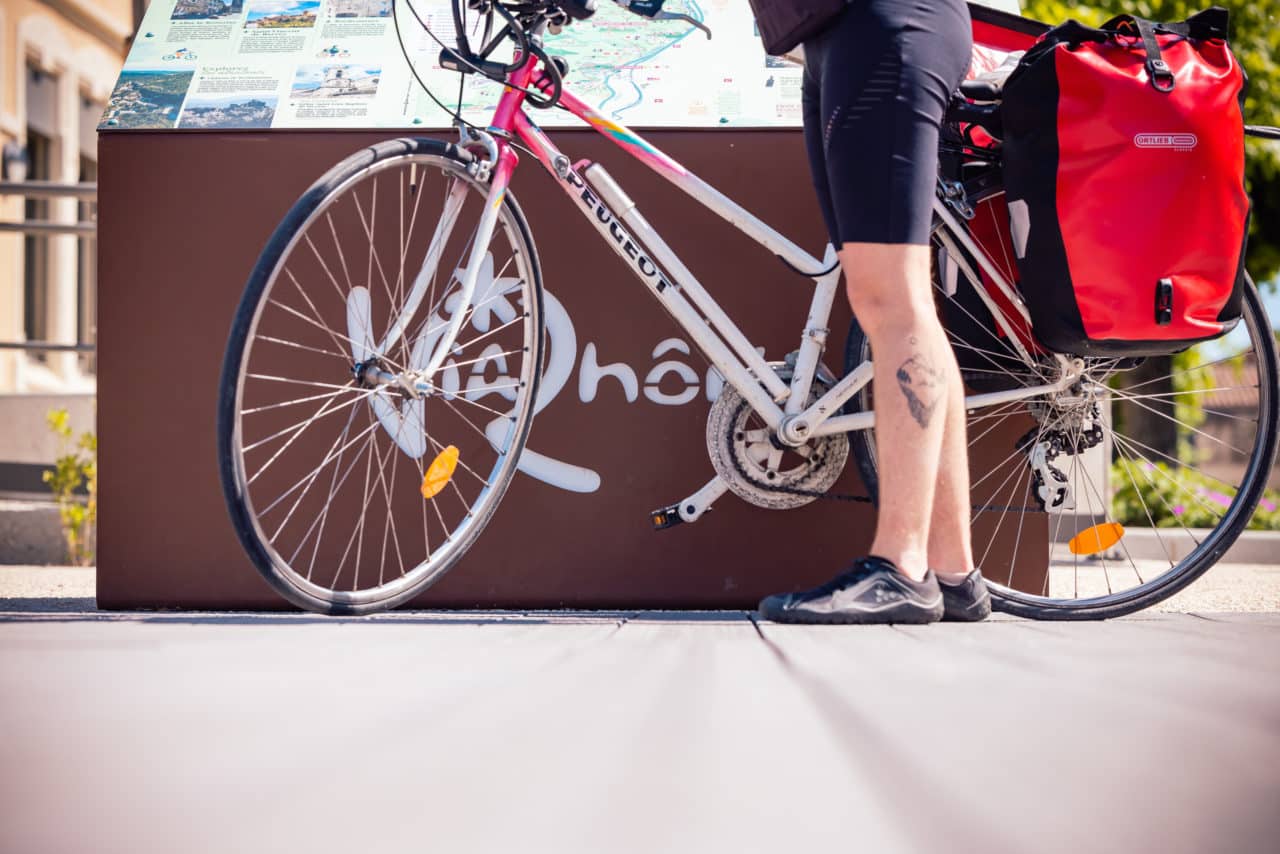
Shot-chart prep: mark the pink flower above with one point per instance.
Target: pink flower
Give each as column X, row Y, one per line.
column 1178, row 510
column 1215, row 496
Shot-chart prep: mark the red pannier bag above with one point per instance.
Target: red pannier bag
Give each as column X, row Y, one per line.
column 1124, row 175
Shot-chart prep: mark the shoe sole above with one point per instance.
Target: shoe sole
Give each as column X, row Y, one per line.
column 974, row 612
column 904, row 614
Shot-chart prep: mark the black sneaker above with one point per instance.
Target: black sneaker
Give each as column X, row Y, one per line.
column 966, row 601
column 872, row 591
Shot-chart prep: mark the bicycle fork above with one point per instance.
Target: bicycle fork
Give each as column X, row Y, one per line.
column 497, row 170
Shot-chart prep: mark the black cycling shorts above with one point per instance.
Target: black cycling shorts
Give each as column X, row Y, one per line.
column 877, row 84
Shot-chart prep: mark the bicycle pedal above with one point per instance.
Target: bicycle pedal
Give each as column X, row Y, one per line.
column 666, row 517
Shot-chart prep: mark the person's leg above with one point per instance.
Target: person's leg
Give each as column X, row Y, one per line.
column 885, row 78
column 964, row 591
column 950, row 539
column 918, row 396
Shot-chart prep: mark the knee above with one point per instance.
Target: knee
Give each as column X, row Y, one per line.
column 882, row 308
column 888, row 286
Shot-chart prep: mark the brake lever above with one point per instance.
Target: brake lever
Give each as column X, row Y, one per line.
column 653, row 9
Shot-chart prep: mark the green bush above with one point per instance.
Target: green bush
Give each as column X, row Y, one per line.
column 1176, row 497
column 75, row 468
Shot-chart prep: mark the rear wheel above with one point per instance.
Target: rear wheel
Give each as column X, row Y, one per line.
column 1168, row 456
column 355, row 480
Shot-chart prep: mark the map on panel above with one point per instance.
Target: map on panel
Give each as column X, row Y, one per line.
column 254, row 64
column 257, row 64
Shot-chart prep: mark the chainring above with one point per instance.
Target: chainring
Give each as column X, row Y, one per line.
column 741, row 451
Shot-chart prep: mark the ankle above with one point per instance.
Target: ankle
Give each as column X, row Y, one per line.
column 913, row 566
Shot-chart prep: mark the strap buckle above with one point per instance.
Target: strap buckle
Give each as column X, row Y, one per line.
column 1161, row 75
column 1164, row 302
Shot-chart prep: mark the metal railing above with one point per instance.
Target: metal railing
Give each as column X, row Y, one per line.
column 87, row 191
column 49, row 190
column 47, row 347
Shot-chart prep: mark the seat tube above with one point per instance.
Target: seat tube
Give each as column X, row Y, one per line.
column 814, row 341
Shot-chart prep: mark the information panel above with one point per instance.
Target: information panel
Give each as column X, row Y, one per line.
column 199, row 64
column 253, row 64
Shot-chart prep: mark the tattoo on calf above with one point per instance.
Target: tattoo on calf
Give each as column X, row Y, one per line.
column 922, row 386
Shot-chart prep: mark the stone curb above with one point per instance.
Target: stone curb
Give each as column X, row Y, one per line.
column 1255, row 547
column 30, row 533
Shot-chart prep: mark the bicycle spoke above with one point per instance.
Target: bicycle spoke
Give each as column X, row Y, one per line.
column 298, row 346
column 1177, row 464
column 300, row 430
column 293, row 402
column 337, row 245
column 298, row 426
column 333, row 482
column 342, row 296
column 1129, row 442
column 323, row 465
column 1145, row 508
column 1184, row 371
column 458, row 412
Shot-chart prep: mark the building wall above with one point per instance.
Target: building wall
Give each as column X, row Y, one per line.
column 80, row 45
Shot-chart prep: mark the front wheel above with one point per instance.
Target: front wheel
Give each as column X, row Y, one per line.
column 354, row 480
column 1112, row 496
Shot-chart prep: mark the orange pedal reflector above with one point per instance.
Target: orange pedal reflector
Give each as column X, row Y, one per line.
column 1099, row 538
column 440, row 472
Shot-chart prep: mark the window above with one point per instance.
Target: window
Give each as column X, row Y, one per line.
column 35, row 266
column 41, row 91
column 87, row 271
column 87, row 263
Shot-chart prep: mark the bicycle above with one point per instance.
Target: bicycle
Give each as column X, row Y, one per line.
column 435, row 369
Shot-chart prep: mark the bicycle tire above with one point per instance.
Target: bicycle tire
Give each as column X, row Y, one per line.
column 1184, row 572
column 327, row 190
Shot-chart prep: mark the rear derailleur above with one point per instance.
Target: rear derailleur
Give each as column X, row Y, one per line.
column 1050, row 486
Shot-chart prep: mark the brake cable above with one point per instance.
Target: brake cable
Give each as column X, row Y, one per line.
column 515, row 30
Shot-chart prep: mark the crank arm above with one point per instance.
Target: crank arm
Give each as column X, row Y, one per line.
column 691, row 508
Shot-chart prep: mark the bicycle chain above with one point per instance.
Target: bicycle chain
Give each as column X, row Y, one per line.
column 844, row 496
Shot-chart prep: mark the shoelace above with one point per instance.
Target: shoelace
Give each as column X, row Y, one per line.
column 862, row 568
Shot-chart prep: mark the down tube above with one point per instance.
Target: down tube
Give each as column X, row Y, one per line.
column 605, row 221
column 702, row 192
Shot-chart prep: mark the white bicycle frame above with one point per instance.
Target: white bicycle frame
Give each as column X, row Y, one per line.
column 616, row 218
column 782, row 407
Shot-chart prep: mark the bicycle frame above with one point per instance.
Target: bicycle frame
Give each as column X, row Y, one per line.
column 599, row 198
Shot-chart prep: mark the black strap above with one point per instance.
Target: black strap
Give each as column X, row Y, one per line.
column 1212, row 23
column 1159, row 71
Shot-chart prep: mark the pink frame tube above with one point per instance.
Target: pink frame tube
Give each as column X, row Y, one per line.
column 510, row 119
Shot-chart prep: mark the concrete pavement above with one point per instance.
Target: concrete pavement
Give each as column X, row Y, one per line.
column 622, row 732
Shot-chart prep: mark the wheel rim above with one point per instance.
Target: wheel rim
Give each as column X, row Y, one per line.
column 333, row 491
column 1129, row 479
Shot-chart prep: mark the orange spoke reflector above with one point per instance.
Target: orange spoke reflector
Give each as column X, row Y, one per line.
column 440, row 472
column 1099, row 538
